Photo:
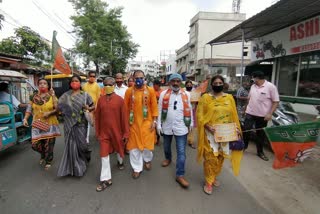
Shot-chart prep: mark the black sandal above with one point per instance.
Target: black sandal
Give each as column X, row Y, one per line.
column 263, row 157
column 103, row 185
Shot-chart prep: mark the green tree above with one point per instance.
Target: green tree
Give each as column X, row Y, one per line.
column 102, row 38
column 29, row 44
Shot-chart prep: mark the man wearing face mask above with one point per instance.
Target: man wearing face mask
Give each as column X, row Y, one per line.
column 189, row 88
column 141, row 103
column 175, row 120
column 120, row 88
column 263, row 101
column 112, row 133
column 242, row 99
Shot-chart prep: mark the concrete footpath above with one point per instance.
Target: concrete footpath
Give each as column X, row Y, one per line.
column 291, row 190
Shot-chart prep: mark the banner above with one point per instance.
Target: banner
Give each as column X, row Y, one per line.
column 59, row 62
column 300, row 37
column 293, row 143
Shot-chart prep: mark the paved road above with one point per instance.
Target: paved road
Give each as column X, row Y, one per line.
column 26, row 188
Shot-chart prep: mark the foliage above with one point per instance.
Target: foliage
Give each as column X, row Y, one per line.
column 102, row 38
column 27, row 43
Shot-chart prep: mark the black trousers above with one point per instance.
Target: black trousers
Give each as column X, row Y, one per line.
column 256, row 122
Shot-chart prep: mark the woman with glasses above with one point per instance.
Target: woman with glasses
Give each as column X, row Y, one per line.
column 215, row 108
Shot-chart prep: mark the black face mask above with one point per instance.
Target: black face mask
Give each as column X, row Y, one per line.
column 189, row 88
column 217, row 88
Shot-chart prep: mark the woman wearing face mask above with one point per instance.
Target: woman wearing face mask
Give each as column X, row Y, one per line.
column 43, row 107
column 76, row 154
column 216, row 107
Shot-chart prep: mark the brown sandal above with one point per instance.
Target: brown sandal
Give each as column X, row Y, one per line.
column 135, row 175
column 103, row 185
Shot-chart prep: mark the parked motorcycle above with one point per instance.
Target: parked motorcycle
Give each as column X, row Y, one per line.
column 284, row 115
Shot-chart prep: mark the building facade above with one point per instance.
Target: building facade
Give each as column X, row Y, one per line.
column 198, row 59
column 150, row 68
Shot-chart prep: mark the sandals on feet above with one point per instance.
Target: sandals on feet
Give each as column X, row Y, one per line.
column 207, row 188
column 216, row 183
column 103, row 185
column 263, row 157
column 135, row 175
column 47, row 167
column 42, row 161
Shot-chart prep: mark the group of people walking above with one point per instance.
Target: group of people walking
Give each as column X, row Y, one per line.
column 131, row 119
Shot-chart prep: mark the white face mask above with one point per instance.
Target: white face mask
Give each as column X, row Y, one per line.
column 175, row 88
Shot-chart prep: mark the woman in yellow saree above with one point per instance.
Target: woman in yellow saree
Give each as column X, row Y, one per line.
column 216, row 107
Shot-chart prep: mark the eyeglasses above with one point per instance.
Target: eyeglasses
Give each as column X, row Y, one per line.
column 93, row 76
column 175, row 105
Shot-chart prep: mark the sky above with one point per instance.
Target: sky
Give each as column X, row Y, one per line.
column 158, row 26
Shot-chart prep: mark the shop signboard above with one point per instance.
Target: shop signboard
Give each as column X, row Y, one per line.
column 298, row 38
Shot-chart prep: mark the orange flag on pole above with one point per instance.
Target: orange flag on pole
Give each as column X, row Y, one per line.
column 59, row 62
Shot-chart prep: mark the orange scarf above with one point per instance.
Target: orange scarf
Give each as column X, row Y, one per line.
column 186, row 107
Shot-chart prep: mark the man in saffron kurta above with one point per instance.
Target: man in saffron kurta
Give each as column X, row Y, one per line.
column 112, row 130
column 142, row 108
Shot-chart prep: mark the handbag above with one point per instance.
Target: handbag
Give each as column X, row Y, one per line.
column 237, row 145
column 43, row 126
column 88, row 115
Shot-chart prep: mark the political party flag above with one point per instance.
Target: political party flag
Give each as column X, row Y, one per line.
column 293, row 143
column 59, row 62
column 203, row 86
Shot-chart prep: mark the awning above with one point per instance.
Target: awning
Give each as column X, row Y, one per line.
column 280, row 15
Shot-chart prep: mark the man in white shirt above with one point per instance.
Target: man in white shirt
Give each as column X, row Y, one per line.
column 120, row 88
column 175, row 119
column 5, row 97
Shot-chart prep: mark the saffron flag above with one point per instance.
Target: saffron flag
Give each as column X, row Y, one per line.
column 293, row 143
column 59, row 62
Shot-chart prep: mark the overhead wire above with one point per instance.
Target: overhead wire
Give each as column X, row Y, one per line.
column 18, row 24
column 54, row 21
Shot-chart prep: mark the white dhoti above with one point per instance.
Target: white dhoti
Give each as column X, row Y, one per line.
column 106, row 169
column 137, row 158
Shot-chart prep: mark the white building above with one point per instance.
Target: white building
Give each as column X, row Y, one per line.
column 198, row 59
column 150, row 68
column 171, row 65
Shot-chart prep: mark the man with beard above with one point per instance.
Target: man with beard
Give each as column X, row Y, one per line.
column 120, row 88
column 175, row 120
column 112, row 133
column 141, row 102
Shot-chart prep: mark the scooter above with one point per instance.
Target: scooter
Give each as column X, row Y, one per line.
column 284, row 115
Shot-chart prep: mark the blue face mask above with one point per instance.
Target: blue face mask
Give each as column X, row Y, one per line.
column 139, row 82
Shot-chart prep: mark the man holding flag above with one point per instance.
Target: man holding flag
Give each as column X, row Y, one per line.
column 263, row 101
